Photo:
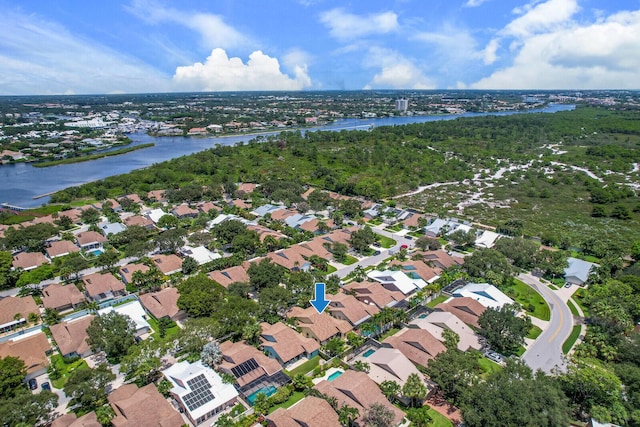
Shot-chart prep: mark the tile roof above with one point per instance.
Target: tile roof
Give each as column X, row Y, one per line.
column 90, row 237
column 264, row 232
column 286, row 342
column 162, row 303
column 61, row 247
column 185, row 210
column 32, row 350
column 425, row 272
column 142, row 407
column 127, row 271
column 282, row 214
column 348, row 307
column 168, row 263
column 374, row 292
column 357, row 390
column 309, row 412
column 72, row 420
column 230, row 275
column 320, row 325
column 97, row 283
column 234, row 354
column 440, row 258
column 417, row 344
column 138, row 220
column 28, row 260
column 465, row 308
column 10, row 306
column 71, row 336
column 56, row 296
column 209, row 206
column 247, row 187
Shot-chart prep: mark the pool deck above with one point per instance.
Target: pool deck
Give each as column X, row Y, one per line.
column 327, row 374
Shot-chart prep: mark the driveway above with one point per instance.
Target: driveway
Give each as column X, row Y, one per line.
column 546, row 352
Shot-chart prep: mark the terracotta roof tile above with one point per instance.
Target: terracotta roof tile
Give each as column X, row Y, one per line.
column 32, row 350
column 61, row 247
column 142, row 407
column 162, row 303
column 28, row 260
column 230, row 275
column 10, row 306
column 418, row 345
column 71, row 336
column 286, row 342
column 57, row 296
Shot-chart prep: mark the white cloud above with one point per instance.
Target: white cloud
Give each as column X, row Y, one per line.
column 396, row 71
column 347, row 26
column 221, row 73
column 489, row 54
column 454, row 45
column 213, row 31
column 600, row 55
column 474, row 3
column 541, row 17
column 41, row 57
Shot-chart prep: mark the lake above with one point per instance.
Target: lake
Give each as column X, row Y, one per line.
column 21, row 181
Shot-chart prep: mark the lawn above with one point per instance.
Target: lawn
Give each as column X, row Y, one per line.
column 534, row 332
column 331, row 269
column 527, row 297
column 575, row 333
column 388, row 334
column 437, row 300
column 578, row 298
column 386, row 242
column 65, row 369
column 169, row 333
column 437, row 419
column 295, row 397
column 348, row 260
column 488, row 366
column 573, row 308
column 305, row 367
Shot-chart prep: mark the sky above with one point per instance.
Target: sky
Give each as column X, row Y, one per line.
column 140, row 46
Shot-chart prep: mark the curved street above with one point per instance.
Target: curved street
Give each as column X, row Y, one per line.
column 546, row 352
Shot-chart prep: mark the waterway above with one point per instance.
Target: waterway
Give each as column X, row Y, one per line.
column 21, row 182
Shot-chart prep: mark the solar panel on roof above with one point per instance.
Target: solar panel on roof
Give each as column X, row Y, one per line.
column 244, row 368
column 200, row 394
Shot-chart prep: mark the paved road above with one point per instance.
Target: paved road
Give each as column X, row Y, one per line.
column 546, row 351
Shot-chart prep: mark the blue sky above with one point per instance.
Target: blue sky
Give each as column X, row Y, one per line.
column 133, row 46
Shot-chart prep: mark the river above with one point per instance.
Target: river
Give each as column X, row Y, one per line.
column 21, row 182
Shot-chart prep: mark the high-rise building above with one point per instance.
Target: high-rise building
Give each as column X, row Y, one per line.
column 402, row 104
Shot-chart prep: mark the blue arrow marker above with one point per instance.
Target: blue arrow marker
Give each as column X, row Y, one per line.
column 319, row 302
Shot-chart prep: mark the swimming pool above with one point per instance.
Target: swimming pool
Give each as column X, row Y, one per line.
column 368, row 352
column 96, row 252
column 269, row 390
column 335, row 375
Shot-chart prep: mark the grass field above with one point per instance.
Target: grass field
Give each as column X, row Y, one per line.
column 65, row 369
column 526, row 296
column 305, row 367
column 578, row 298
column 348, row 260
column 534, row 332
column 488, row 366
column 575, row 333
column 386, row 242
column 169, row 333
column 437, row 300
column 295, row 397
column 573, row 308
column 437, row 419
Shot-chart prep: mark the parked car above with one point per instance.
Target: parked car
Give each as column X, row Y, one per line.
column 567, row 285
column 376, row 244
column 408, row 237
column 403, row 246
column 496, row 357
column 33, row 384
column 46, row 386
column 376, row 253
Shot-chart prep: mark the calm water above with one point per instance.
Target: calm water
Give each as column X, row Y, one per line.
column 21, row 182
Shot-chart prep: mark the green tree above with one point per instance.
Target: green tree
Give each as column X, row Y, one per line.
column 334, row 347
column 426, row 242
column 107, row 259
column 301, row 382
column 211, row 354
column 199, row 296
column 347, row 415
column 451, row 339
column 488, row 264
column 105, row 414
column 142, row 363
column 415, row 389
column 359, row 365
column 113, row 333
column 515, row 396
column 462, row 238
column 189, row 265
column 390, row 389
column 167, row 221
column 87, row 388
column 378, row 415
column 90, row 216
column 265, row 274
column 620, row 212
column 454, row 372
column 12, row 373
column 261, row 405
column 251, row 333
column 51, row 317
column 520, row 251
column 74, row 263
column 419, row 417
column 339, row 251
column 171, row 240
column 26, row 409
column 503, row 330
column 361, row 239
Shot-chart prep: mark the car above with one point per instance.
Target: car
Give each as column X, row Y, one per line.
column 492, row 355
column 376, row 253
column 376, row 244
column 567, row 285
column 403, row 246
column 33, row 384
column 46, row 386
column 408, row 237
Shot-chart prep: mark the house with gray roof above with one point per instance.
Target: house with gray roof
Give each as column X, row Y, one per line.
column 578, row 271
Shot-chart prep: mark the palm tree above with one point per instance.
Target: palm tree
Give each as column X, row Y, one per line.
column 369, row 328
column 415, row 389
column 390, row 389
column 347, row 415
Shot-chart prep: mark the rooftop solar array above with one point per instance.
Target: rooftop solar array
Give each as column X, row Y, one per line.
column 244, row 368
column 200, row 394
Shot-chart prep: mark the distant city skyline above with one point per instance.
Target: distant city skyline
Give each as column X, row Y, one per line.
column 138, row 46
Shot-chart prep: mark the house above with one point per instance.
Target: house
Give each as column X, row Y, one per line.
column 127, row 271
column 417, row 270
column 62, row 297
column 389, row 364
column 140, row 221
column 357, row 390
column 419, row 345
column 230, row 275
column 437, row 227
column 111, row 228
column 282, row 214
column 286, row 345
column 32, row 350
column 440, row 259
column 266, row 209
column 72, row 214
column 163, row 303
column 439, row 321
column 134, row 311
column 72, row 420
column 295, row 221
column 29, row 260
column 486, row 294
column 184, row 211
column 348, row 308
column 199, row 390
column 168, row 264
column 317, row 247
column 263, row 232
column 578, row 271
column 201, row 254
column 413, row 221
column 373, row 293
column 15, row 311
column 71, row 337
column 291, row 258
column 240, row 204
column 155, row 215
column 315, row 225
column 319, row 326
column 197, row 132
column 247, row 187
column 60, row 248
column 133, row 197
column 309, row 412
column 88, row 240
column 487, row 239
column 206, row 207
column 100, row 287
column 397, row 281
column 156, row 196
column 138, row 407
column 253, row 370
column 466, row 309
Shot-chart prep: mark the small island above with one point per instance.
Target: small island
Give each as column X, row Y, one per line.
column 92, row 156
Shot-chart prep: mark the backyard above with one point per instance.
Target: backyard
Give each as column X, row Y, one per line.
column 62, row 370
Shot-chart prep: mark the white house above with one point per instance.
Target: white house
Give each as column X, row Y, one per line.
column 199, row 390
column 578, row 271
column 201, row 254
column 487, row 239
column 397, row 281
column 486, row 294
column 135, row 312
